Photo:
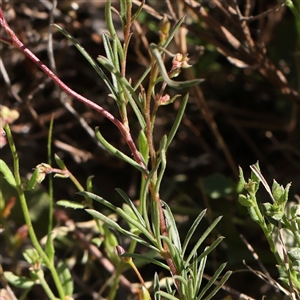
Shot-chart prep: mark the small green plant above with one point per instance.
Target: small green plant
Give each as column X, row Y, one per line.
column 279, row 221
column 150, row 222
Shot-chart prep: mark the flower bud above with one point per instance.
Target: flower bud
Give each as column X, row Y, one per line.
column 164, row 28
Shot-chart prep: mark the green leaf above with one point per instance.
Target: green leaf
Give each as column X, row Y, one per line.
column 59, row 162
column 146, row 259
column 65, row 278
column 70, row 204
column 144, row 146
column 116, row 226
column 123, row 11
column 253, row 214
column 294, row 253
column 192, row 230
column 242, row 182
column 156, row 287
column 34, row 179
column 201, row 240
column 110, row 56
column 19, row 281
column 167, row 296
column 117, row 152
column 113, row 34
column 177, row 120
column 31, row 256
column 175, row 84
column 175, row 254
column 200, row 272
column 89, row 183
column 132, row 206
column 155, row 220
column 208, row 249
column 245, row 200
column 162, row 161
column 49, row 248
column 8, row 175
column 219, row 285
column 171, row 226
column 136, row 14
column 212, row 281
column 127, row 89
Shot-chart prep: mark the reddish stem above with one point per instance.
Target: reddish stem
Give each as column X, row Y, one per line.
column 14, row 41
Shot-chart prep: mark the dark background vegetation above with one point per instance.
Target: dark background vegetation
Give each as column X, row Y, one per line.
column 255, row 113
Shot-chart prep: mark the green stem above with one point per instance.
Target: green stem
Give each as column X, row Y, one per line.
column 267, row 233
column 49, row 150
column 44, row 284
column 26, row 214
column 116, row 280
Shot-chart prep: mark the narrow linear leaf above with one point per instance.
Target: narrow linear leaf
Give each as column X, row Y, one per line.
column 181, row 279
column 123, row 10
column 218, row 286
column 165, row 45
column 121, row 213
column 202, row 238
column 208, row 249
column 191, row 289
column 110, row 56
column 88, row 58
column 132, row 206
column 178, row 119
column 33, row 180
column 49, row 248
column 169, row 287
column 127, row 89
column 60, row 162
column 117, row 152
column 98, row 199
column 155, row 220
column 65, row 278
column 144, row 197
column 167, row 296
column 172, row 227
column 175, row 254
column 116, row 226
column 175, row 84
column 212, row 280
column 89, row 183
column 113, row 33
column 8, row 175
column 156, row 287
column 162, row 161
column 192, row 230
column 140, row 8
column 70, row 204
column 147, row 259
column 199, row 274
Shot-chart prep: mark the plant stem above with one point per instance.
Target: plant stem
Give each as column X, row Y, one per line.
column 26, row 214
column 267, row 233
